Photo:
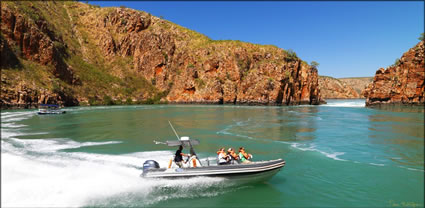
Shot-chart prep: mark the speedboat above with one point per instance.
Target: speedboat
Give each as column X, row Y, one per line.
column 44, row 109
column 253, row 171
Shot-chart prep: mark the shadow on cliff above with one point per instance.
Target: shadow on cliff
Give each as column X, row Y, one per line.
column 8, row 57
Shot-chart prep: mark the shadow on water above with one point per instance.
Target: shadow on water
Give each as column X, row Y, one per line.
column 285, row 124
column 400, row 128
column 400, row 108
column 257, row 128
column 307, row 123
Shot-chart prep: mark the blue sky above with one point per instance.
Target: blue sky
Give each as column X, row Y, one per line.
column 348, row 39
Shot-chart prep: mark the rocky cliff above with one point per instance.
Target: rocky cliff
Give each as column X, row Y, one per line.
column 343, row 88
column 334, row 88
column 78, row 54
column 401, row 83
column 359, row 84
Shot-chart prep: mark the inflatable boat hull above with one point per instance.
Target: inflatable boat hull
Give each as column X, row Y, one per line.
column 253, row 171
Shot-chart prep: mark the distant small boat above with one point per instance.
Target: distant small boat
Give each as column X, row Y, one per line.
column 44, row 109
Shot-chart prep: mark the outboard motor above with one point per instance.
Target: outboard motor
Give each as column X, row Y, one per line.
column 149, row 164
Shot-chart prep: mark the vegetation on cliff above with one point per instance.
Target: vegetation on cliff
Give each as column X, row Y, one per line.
column 79, row 54
column 359, row 84
column 343, row 88
column 401, row 83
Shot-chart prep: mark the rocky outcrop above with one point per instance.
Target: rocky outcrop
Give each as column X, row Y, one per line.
column 26, row 95
column 402, row 83
column 343, row 88
column 215, row 73
column 123, row 54
column 332, row 88
column 241, row 78
column 34, row 41
column 8, row 58
column 359, row 84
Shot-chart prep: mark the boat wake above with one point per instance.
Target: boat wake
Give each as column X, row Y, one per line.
column 296, row 145
column 237, row 124
column 333, row 155
column 232, row 130
column 39, row 173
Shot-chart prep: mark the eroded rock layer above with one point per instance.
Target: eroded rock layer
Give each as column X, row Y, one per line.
column 402, row 83
column 78, row 54
column 331, row 88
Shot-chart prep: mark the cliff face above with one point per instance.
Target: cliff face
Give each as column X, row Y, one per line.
column 73, row 53
column 343, row 88
column 334, row 88
column 359, row 84
column 401, row 83
column 31, row 41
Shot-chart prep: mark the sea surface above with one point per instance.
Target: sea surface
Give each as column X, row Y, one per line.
column 341, row 154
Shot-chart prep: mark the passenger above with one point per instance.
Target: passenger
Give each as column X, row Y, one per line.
column 234, row 158
column 219, row 151
column 178, row 159
column 244, row 157
column 193, row 159
column 223, row 158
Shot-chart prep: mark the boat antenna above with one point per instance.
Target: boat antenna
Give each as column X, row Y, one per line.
column 192, row 151
column 178, row 138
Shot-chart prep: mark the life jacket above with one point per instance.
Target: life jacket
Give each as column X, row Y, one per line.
column 194, row 162
column 222, row 158
column 233, row 160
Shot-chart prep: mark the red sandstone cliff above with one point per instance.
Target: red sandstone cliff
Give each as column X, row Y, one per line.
column 343, row 88
column 334, row 88
column 401, row 83
column 88, row 55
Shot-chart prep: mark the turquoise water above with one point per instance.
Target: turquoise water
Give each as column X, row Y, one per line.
column 337, row 155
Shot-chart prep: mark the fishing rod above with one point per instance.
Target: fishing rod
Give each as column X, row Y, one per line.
column 178, row 138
